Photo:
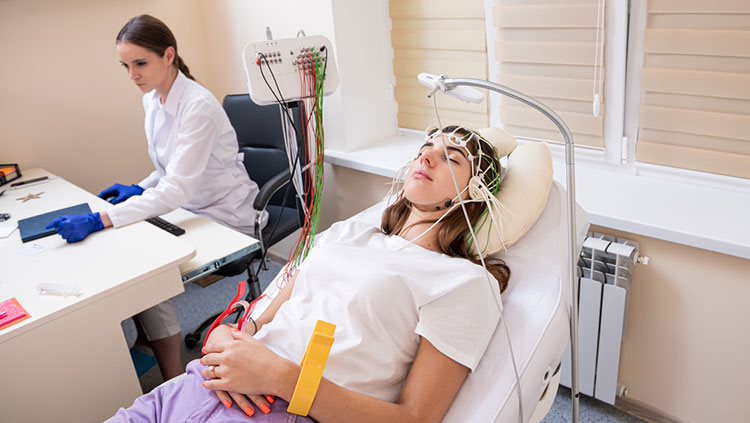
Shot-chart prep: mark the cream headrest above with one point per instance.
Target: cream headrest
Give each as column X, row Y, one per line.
column 523, row 192
column 503, row 141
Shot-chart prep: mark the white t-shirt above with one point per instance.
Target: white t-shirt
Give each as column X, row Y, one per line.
column 383, row 293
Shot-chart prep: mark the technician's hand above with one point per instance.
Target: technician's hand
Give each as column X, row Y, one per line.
column 243, row 365
column 77, row 228
column 121, row 192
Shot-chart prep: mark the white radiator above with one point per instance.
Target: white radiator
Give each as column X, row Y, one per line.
column 604, row 271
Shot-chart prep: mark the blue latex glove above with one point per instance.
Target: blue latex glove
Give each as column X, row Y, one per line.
column 77, row 228
column 121, row 192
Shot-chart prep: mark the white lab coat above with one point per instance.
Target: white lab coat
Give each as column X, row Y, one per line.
column 195, row 152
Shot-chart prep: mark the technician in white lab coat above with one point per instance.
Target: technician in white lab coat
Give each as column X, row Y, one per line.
column 190, row 139
column 195, row 152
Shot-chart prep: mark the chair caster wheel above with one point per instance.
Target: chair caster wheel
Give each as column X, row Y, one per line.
column 191, row 340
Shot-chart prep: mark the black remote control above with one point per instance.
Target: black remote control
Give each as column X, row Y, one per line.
column 163, row 224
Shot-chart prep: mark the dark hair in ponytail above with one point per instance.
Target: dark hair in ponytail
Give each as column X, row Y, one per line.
column 152, row 34
column 182, row 66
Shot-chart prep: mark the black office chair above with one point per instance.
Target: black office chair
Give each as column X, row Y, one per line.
column 259, row 133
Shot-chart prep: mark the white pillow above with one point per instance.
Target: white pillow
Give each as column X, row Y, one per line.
column 523, row 192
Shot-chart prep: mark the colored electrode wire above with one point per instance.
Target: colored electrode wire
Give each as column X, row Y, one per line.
column 311, row 70
column 308, row 178
column 293, row 166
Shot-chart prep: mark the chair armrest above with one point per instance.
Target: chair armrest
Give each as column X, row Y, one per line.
column 269, row 189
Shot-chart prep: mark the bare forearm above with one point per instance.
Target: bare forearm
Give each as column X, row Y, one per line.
column 429, row 389
column 106, row 221
column 222, row 331
column 272, row 308
column 334, row 403
column 427, row 393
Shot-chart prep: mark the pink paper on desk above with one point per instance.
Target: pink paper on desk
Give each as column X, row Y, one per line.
column 12, row 313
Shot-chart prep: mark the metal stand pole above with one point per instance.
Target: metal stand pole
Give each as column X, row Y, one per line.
column 450, row 83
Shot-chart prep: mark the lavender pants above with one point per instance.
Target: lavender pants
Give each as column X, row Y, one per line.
column 185, row 400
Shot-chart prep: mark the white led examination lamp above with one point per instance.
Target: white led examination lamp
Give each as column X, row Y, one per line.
column 460, row 88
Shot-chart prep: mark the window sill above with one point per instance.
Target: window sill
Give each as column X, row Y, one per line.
column 698, row 215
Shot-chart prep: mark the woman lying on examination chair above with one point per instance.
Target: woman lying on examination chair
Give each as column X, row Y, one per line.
column 414, row 311
column 195, row 152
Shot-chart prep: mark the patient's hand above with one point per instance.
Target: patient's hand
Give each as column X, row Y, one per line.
column 247, row 366
column 223, row 333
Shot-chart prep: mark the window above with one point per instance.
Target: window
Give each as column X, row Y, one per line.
column 547, row 49
column 437, row 36
column 673, row 76
column 694, row 90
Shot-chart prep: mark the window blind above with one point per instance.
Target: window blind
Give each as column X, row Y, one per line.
column 547, row 49
column 695, row 86
column 440, row 37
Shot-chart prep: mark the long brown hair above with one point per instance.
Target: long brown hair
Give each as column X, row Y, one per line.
column 453, row 236
column 152, row 34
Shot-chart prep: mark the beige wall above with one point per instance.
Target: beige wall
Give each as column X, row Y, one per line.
column 354, row 28
column 231, row 24
column 686, row 346
column 65, row 103
column 346, row 192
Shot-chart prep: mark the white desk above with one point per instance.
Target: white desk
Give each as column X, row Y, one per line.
column 216, row 244
column 70, row 361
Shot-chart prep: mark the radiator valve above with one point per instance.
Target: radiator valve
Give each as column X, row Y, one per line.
column 622, row 390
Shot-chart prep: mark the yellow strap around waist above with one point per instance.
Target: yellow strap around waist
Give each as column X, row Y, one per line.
column 313, row 364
